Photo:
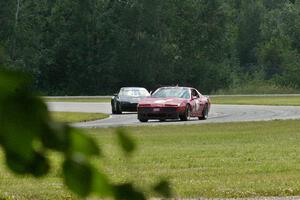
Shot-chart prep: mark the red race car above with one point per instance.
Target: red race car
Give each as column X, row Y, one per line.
column 174, row 103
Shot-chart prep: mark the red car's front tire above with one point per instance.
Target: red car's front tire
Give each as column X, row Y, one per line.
column 187, row 113
column 204, row 113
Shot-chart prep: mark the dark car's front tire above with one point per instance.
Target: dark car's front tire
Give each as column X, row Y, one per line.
column 113, row 107
column 143, row 120
column 118, row 108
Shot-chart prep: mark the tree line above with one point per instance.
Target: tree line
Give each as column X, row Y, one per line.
column 92, row 47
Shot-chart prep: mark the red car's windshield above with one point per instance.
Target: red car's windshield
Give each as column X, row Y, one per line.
column 172, row 92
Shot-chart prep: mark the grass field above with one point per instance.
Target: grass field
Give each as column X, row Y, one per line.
column 242, row 100
column 72, row 117
column 258, row 100
column 213, row 160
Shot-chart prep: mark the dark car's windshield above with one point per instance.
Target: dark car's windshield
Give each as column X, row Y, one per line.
column 172, row 92
column 134, row 92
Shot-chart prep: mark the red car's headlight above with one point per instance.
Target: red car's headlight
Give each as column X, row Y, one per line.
column 173, row 105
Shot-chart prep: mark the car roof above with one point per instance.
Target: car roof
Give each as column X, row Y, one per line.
column 176, row 87
column 132, row 88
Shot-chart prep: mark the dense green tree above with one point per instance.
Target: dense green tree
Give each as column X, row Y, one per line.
column 249, row 36
column 97, row 46
column 279, row 55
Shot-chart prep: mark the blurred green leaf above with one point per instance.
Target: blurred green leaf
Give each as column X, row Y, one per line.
column 40, row 165
column 36, row 165
column 27, row 131
column 163, row 188
column 12, row 83
column 17, row 163
column 21, row 120
column 78, row 175
column 100, row 184
column 125, row 141
column 56, row 136
column 82, row 143
column 127, row 192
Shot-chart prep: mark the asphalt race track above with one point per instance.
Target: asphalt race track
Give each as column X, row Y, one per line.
column 218, row 113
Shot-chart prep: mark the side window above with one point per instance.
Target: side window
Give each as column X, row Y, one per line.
column 195, row 93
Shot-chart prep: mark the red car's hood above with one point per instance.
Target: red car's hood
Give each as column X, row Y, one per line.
column 161, row 101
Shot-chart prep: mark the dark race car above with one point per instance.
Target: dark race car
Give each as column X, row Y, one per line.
column 127, row 99
column 174, row 103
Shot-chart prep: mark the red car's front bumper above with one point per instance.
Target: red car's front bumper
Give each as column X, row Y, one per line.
column 159, row 112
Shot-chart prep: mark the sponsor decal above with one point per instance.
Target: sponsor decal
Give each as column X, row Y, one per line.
column 163, row 101
column 159, row 101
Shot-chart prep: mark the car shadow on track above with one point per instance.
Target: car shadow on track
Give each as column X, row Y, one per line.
column 125, row 113
column 172, row 120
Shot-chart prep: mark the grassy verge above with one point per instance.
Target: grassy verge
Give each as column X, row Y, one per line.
column 258, row 100
column 72, row 117
column 213, row 160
